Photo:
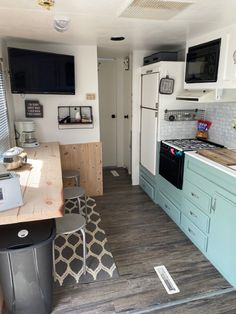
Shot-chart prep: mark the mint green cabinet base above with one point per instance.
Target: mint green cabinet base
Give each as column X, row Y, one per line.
column 222, row 238
column 198, row 197
column 147, row 182
column 147, row 187
column 201, row 220
column 169, row 208
column 198, row 237
column 210, row 194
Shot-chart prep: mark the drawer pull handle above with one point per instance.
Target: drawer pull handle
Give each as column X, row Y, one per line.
column 214, row 204
column 194, row 195
column 191, row 231
column 192, row 214
column 167, row 207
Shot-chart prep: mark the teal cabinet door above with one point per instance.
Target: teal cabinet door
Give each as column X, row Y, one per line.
column 222, row 237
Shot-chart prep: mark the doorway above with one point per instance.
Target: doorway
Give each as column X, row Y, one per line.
column 114, row 80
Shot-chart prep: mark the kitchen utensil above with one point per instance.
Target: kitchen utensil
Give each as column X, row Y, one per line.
column 166, row 85
column 10, row 191
column 14, row 158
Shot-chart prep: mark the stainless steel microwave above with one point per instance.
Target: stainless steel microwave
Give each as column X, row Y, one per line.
column 202, row 62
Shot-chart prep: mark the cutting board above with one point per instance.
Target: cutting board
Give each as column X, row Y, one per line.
column 223, row 156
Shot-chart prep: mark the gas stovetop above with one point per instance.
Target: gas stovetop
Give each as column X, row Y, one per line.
column 191, row 144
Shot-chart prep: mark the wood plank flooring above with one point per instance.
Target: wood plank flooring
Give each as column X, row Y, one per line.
column 142, row 236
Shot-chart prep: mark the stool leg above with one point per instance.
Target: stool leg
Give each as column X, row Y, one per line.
column 77, row 180
column 84, row 249
column 53, row 257
column 79, row 204
column 86, row 208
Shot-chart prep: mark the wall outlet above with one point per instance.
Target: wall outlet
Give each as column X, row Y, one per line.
column 90, row 96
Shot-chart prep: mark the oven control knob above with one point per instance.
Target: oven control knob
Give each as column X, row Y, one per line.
column 172, row 117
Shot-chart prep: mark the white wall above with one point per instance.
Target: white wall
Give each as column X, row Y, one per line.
column 86, row 81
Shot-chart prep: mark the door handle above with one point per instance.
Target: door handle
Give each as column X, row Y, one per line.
column 113, row 116
column 126, row 116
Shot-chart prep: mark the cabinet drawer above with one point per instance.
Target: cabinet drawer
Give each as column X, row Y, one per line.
column 200, row 219
column 169, row 208
column 170, row 191
column 197, row 196
column 194, row 233
column 147, row 187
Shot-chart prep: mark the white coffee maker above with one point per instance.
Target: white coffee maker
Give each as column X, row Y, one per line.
column 25, row 131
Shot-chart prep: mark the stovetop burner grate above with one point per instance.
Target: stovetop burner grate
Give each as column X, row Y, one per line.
column 191, row 144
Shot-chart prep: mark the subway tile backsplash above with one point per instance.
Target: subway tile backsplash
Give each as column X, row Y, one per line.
column 178, row 129
column 223, row 117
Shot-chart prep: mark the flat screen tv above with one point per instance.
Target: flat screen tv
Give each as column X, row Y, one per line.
column 35, row 72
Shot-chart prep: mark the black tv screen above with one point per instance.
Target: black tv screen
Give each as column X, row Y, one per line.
column 35, row 72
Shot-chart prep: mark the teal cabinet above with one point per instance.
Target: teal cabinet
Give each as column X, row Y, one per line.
column 198, row 217
column 197, row 196
column 221, row 243
column 169, row 208
column 147, row 182
column 209, row 214
column 195, row 234
column 205, row 209
column 147, row 187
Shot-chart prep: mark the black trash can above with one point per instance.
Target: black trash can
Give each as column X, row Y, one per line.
column 26, row 266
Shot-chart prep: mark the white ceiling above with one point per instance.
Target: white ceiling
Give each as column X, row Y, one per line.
column 95, row 21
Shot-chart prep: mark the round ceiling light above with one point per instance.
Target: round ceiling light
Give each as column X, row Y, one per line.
column 117, row 38
column 61, row 24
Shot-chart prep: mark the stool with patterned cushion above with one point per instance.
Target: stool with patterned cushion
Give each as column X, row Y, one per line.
column 76, row 192
column 71, row 174
column 68, row 224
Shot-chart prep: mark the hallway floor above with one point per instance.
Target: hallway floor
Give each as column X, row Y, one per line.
column 141, row 236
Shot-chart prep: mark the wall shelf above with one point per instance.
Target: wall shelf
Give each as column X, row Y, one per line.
column 184, row 115
column 75, row 117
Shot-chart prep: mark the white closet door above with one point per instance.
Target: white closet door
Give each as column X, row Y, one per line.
column 150, row 90
column 148, row 139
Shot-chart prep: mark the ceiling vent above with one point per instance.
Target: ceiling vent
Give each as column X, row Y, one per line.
column 155, row 9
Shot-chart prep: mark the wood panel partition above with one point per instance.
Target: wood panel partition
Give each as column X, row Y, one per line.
column 87, row 158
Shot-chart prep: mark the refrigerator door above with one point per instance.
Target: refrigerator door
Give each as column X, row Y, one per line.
column 148, row 139
column 150, row 90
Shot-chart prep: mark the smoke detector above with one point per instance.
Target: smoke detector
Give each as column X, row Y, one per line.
column 155, row 9
column 61, row 23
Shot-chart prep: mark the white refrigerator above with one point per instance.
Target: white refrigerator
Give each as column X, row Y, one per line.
column 149, row 120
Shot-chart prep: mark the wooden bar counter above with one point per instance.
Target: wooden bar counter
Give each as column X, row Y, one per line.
column 41, row 184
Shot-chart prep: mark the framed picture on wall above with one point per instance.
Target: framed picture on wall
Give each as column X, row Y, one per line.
column 86, row 114
column 33, row 109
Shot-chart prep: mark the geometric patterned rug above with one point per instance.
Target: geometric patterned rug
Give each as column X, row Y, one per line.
column 69, row 251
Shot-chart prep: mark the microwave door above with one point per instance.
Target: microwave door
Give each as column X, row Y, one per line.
column 202, row 63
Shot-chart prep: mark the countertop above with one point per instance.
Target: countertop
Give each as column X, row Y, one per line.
column 41, row 185
column 217, row 165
